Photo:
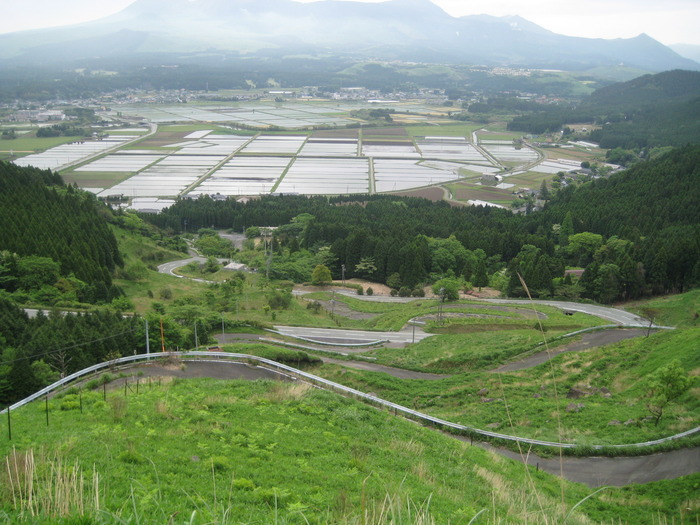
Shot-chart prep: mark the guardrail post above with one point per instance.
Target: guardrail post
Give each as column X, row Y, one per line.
column 47, row 410
column 80, row 395
column 104, row 391
column 9, row 424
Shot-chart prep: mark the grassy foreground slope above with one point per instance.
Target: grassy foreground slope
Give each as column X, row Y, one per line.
column 206, row 451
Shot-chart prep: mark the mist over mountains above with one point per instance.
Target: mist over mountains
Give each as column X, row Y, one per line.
column 407, row 30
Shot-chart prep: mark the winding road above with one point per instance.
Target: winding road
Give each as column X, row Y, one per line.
column 592, row 471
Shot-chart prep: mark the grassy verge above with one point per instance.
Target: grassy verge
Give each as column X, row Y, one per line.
column 205, row 451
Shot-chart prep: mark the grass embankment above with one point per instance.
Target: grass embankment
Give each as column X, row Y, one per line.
column 682, row 311
column 204, row 451
column 533, row 402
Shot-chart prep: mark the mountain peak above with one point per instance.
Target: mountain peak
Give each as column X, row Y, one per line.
column 410, row 30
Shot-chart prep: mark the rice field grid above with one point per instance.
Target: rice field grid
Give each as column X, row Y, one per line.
column 450, row 148
column 244, row 176
column 326, row 177
column 275, row 144
column 555, row 166
column 71, row 153
column 398, row 175
column 509, row 153
column 167, row 178
column 329, row 147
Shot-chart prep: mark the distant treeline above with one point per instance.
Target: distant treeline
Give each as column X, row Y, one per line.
column 223, row 72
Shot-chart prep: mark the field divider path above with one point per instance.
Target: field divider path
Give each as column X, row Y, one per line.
column 216, row 168
column 486, row 154
column 152, row 130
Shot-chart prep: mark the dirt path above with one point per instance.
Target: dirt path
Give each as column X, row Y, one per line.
column 588, row 340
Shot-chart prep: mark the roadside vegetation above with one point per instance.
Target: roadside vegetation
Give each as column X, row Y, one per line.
column 202, row 451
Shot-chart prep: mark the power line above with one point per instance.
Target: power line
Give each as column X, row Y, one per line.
column 34, row 356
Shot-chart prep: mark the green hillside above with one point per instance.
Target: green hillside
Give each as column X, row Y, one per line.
column 205, row 451
column 55, row 241
column 646, row 112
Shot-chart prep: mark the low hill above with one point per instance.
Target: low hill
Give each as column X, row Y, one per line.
column 204, row 451
column 654, row 204
column 648, row 111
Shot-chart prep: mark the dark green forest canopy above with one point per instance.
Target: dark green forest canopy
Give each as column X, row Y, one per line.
column 40, row 216
column 35, row 352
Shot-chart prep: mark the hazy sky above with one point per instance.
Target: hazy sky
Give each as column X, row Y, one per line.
column 668, row 21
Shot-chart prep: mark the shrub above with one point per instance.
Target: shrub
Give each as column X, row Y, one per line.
column 243, row 484
column 370, row 291
column 360, row 291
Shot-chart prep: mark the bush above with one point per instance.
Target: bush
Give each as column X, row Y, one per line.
column 243, row 484
column 404, row 291
column 315, row 306
column 370, row 291
column 418, row 292
column 360, row 291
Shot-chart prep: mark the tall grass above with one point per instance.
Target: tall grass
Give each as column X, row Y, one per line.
column 46, row 485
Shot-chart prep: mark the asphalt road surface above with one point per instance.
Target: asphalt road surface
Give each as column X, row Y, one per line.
column 588, row 340
column 349, row 337
column 601, row 471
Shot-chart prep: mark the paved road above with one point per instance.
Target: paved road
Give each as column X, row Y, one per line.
column 588, row 340
column 614, row 315
column 341, row 337
column 600, row 471
column 170, row 267
column 394, row 372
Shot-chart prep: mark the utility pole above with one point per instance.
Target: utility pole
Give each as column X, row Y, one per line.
column 196, row 339
column 342, row 267
column 148, row 342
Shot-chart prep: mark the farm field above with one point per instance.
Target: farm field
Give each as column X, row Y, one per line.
column 204, row 154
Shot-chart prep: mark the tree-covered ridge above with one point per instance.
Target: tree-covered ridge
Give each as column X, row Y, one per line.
column 43, row 221
column 649, row 111
column 638, row 202
column 650, row 215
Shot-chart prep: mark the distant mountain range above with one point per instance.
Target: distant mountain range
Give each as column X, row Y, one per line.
column 407, row 30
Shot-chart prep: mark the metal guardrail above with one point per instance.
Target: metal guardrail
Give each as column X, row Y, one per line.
column 326, row 343
column 341, row 389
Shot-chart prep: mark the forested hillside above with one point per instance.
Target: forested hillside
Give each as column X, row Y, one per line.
column 654, row 210
column 55, row 244
column 637, row 233
column 36, row 352
column 649, row 111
